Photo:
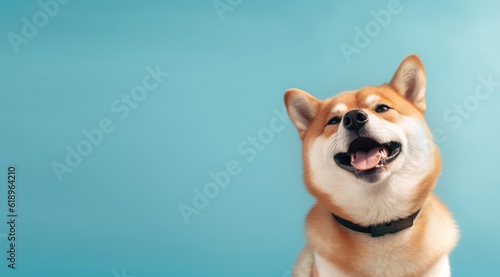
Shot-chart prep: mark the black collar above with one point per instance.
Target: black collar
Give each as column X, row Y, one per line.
column 379, row 229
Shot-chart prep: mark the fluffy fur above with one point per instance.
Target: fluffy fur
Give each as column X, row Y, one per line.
column 395, row 190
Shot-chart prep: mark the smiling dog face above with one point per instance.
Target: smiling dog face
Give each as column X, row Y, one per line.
column 369, row 146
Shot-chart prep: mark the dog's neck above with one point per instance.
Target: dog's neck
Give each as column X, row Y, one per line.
column 384, row 203
column 431, row 235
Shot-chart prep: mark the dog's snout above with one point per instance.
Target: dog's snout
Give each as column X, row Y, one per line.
column 355, row 119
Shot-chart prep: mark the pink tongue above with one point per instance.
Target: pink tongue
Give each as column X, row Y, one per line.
column 364, row 161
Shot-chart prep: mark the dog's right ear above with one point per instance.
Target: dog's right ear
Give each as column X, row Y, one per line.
column 302, row 108
column 409, row 80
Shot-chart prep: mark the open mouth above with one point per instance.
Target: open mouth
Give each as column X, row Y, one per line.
column 365, row 154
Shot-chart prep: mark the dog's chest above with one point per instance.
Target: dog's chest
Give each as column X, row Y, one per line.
column 383, row 258
column 326, row 268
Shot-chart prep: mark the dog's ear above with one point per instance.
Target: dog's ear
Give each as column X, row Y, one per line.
column 409, row 80
column 302, row 108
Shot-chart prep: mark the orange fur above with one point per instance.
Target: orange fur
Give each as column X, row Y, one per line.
column 420, row 246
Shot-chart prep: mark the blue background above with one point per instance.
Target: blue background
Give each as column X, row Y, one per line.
column 117, row 213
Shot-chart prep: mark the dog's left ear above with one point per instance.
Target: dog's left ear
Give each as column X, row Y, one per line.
column 409, row 80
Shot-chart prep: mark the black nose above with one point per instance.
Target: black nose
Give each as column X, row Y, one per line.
column 355, row 119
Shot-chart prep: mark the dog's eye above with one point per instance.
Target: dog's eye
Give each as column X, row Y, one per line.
column 382, row 108
column 334, row 120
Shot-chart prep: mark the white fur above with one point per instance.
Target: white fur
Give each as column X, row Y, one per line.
column 339, row 108
column 370, row 100
column 441, row 269
column 325, row 268
column 304, row 264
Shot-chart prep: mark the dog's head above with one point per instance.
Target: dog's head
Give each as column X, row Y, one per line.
column 372, row 145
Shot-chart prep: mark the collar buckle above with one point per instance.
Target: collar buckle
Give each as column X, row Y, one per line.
column 382, row 229
column 393, row 226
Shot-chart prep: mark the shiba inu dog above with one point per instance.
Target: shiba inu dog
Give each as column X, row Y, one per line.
column 371, row 163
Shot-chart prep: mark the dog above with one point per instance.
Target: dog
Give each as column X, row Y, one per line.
column 371, row 163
